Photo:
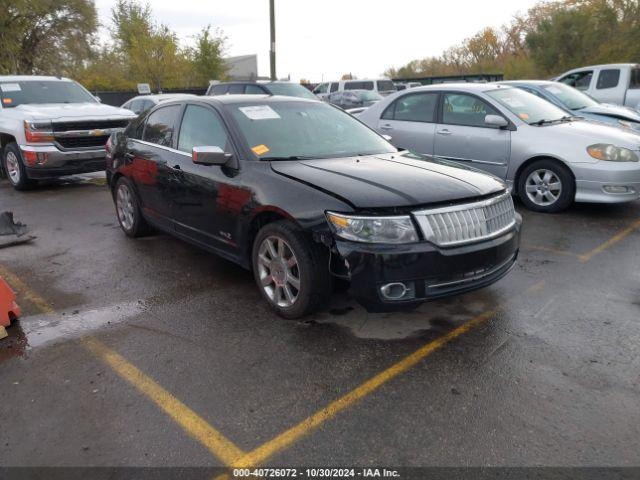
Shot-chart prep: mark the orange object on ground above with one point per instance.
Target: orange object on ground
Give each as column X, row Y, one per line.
column 8, row 307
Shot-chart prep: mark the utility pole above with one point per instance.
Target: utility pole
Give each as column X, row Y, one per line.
column 272, row 52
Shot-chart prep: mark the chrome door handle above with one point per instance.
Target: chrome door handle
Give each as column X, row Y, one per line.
column 386, row 127
column 444, row 132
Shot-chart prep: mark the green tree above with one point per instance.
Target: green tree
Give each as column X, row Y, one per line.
column 206, row 56
column 46, row 36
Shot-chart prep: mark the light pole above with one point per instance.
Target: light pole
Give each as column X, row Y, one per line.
column 272, row 52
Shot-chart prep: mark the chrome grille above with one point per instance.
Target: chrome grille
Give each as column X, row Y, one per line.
column 467, row 223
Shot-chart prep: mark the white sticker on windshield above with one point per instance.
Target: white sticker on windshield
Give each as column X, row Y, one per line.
column 513, row 102
column 260, row 112
column 10, row 87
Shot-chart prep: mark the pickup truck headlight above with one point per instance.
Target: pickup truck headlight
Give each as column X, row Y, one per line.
column 398, row 229
column 38, row 131
column 611, row 153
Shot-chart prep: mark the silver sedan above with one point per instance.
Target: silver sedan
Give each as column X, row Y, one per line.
column 550, row 158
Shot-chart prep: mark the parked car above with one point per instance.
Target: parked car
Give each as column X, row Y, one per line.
column 301, row 192
column 615, row 83
column 549, row 157
column 142, row 103
column 52, row 126
column 288, row 89
column 404, row 85
column 578, row 103
column 354, row 99
column 382, row 86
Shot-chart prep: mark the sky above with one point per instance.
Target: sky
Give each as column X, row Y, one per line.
column 323, row 40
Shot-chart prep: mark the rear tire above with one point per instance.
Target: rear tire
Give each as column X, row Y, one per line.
column 14, row 169
column 128, row 209
column 546, row 186
column 291, row 271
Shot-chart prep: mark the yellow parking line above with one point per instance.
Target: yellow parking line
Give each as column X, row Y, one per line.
column 621, row 235
column 293, row 434
column 189, row 420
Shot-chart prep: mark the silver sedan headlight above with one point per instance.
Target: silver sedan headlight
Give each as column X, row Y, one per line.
column 397, row 229
column 611, row 153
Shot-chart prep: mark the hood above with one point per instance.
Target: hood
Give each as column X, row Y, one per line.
column 623, row 113
column 589, row 133
column 70, row 111
column 390, row 180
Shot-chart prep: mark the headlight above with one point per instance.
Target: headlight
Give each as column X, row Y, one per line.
column 398, row 229
column 603, row 151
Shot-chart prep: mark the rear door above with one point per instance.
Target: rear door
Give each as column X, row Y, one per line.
column 150, row 158
column 208, row 199
column 410, row 121
column 609, row 86
column 462, row 135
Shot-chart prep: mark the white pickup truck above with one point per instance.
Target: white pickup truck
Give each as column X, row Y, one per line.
column 52, row 126
column 617, row 83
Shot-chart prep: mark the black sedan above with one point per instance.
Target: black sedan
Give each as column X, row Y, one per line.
column 302, row 193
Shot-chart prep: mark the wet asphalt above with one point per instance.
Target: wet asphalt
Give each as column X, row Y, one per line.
column 552, row 378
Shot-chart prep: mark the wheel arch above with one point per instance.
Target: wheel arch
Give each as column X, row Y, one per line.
column 263, row 217
column 529, row 161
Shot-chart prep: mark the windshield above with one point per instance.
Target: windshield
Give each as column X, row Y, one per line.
column 291, row 90
column 526, row 106
column 42, row 91
column 281, row 130
column 570, row 97
column 385, row 86
column 369, row 96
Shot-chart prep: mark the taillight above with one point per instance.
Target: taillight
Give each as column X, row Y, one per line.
column 36, row 132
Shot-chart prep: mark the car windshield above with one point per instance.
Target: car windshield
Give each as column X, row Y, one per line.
column 292, row 130
column 43, row 91
column 291, row 90
column 526, row 106
column 369, row 95
column 386, row 86
column 570, row 97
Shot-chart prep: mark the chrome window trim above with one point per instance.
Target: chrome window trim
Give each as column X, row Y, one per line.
column 169, row 149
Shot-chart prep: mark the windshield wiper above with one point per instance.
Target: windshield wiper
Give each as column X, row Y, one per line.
column 544, row 121
column 291, row 157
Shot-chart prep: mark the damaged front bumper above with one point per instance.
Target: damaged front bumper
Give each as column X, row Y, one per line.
column 397, row 275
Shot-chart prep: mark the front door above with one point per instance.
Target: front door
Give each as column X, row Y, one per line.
column 463, row 136
column 410, row 122
column 208, row 199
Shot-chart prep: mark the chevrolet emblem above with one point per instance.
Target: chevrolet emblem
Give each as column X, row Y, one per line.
column 97, row 133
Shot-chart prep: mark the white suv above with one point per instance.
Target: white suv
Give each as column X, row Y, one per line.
column 383, row 86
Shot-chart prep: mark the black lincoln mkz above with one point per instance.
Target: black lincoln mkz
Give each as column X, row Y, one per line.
column 301, row 192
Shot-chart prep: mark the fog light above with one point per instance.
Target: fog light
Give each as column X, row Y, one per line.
column 397, row 291
column 617, row 189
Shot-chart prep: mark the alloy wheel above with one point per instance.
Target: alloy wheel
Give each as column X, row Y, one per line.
column 13, row 167
column 125, row 207
column 543, row 187
column 278, row 271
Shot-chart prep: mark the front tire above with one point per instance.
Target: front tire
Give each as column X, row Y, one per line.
column 128, row 209
column 14, row 169
column 291, row 270
column 546, row 186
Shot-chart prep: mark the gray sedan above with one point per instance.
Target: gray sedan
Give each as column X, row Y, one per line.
column 549, row 157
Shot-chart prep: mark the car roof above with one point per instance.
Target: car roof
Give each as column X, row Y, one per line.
column 252, row 99
column 609, row 65
column 26, row 78
column 461, row 87
column 527, row 82
column 261, row 82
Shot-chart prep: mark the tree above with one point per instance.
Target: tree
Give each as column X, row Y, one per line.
column 206, row 56
column 46, row 36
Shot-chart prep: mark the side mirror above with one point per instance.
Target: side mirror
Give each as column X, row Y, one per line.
column 495, row 121
column 210, row 156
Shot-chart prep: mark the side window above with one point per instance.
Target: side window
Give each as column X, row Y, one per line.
column 579, row 80
column 236, row 88
column 322, row 88
column 608, row 79
column 415, row 107
column 135, row 106
column 352, row 85
column 334, row 87
column 634, row 81
column 254, row 90
column 367, row 85
column 462, row 109
column 161, row 125
column 219, row 89
column 201, row 127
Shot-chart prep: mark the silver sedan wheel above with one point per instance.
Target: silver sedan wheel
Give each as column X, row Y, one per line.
column 13, row 167
column 543, row 187
column 125, row 207
column 278, row 271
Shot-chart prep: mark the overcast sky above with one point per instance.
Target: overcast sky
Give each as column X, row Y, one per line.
column 325, row 39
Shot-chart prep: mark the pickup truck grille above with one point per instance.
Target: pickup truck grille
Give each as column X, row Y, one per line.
column 83, row 142
column 89, row 125
column 467, row 223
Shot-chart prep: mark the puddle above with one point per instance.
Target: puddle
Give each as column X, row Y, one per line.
column 441, row 315
column 38, row 330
